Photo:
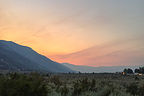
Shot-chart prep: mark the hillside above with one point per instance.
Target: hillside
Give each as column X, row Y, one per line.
column 103, row 69
column 15, row 57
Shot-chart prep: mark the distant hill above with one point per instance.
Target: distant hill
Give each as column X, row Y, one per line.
column 88, row 69
column 14, row 57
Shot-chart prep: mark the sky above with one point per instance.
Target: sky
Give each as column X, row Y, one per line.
column 80, row 32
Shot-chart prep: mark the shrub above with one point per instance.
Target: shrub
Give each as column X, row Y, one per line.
column 133, row 88
column 21, row 85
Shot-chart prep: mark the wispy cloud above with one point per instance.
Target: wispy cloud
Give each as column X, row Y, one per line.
column 124, row 52
column 44, row 29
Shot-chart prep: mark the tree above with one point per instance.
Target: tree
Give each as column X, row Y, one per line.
column 128, row 71
column 137, row 71
column 140, row 70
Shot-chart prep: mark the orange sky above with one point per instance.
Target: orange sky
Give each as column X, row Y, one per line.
column 95, row 33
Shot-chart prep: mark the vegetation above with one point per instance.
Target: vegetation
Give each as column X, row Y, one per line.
column 128, row 71
column 71, row 84
column 22, row 85
column 140, row 70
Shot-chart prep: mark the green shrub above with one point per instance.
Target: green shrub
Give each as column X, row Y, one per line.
column 22, row 85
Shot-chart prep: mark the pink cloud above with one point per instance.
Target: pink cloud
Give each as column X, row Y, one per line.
column 112, row 54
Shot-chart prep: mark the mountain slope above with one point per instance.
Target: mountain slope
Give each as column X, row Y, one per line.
column 88, row 69
column 17, row 57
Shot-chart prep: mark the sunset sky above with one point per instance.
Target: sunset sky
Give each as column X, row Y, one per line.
column 81, row 32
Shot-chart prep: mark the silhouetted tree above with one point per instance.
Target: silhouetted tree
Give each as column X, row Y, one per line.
column 137, row 71
column 128, row 71
column 140, row 70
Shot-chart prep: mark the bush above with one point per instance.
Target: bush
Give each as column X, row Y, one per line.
column 22, row 85
column 133, row 88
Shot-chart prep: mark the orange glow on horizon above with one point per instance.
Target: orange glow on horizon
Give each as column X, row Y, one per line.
column 82, row 35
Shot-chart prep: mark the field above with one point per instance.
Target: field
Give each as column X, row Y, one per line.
column 94, row 84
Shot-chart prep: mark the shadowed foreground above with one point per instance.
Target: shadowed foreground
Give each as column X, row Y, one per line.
column 71, row 84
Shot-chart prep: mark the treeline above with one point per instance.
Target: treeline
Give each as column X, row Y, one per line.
column 140, row 70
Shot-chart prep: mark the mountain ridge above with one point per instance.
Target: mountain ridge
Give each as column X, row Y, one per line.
column 18, row 57
column 101, row 69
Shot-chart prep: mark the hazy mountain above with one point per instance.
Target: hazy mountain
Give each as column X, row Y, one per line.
column 21, row 58
column 88, row 69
